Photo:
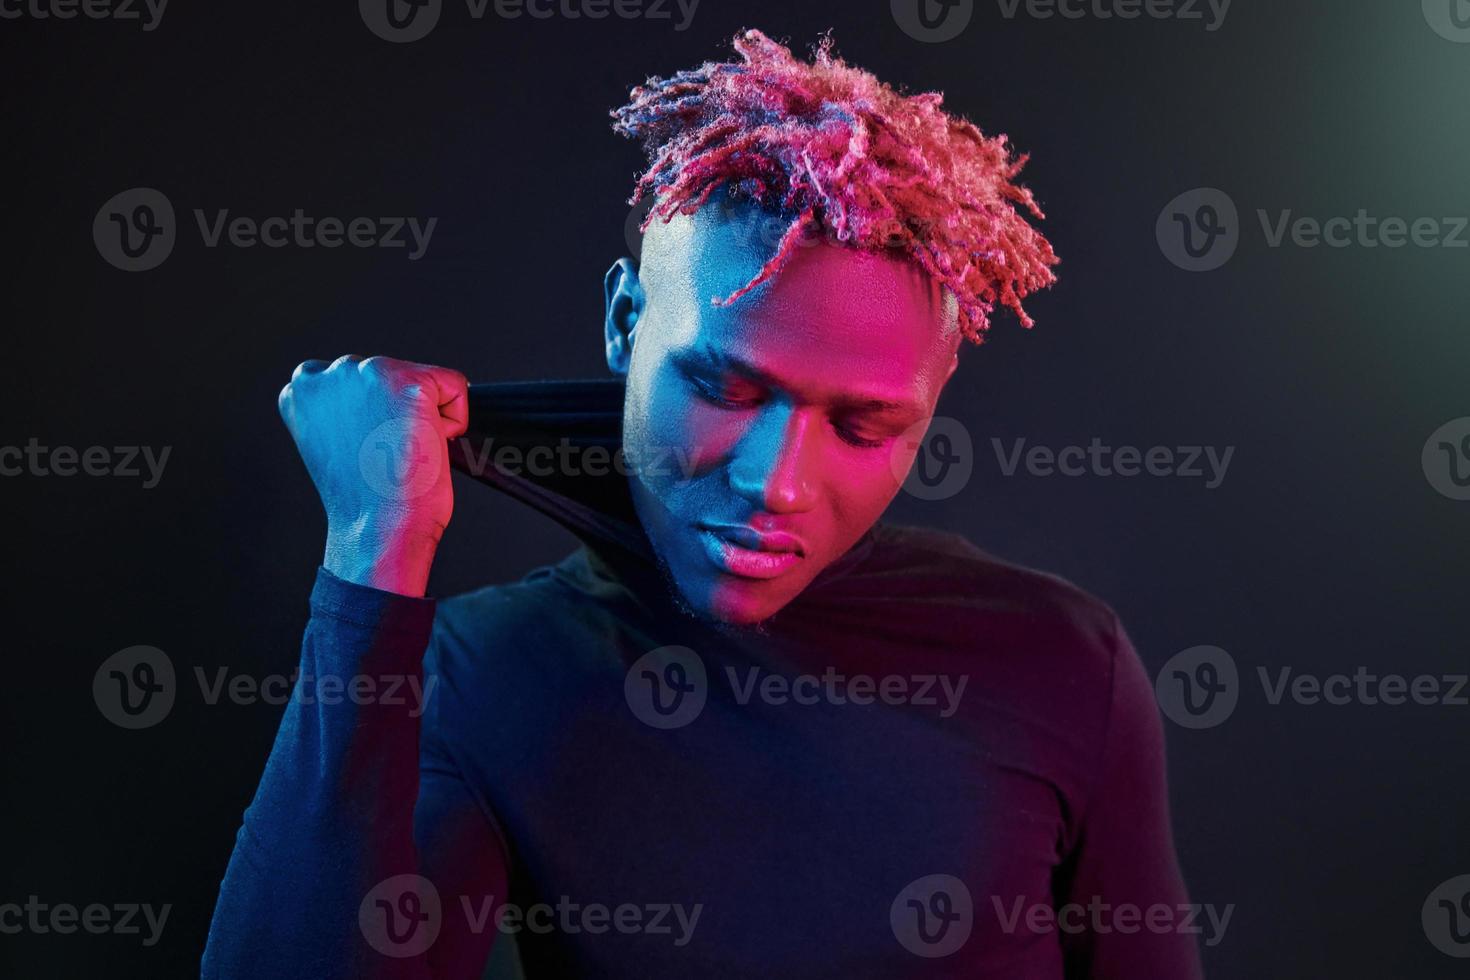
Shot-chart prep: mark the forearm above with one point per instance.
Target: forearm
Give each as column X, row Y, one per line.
column 333, row 814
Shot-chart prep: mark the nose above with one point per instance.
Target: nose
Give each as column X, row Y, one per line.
column 773, row 467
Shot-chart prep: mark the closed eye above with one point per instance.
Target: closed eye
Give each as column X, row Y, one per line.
column 723, row 398
column 719, row 395
column 853, row 438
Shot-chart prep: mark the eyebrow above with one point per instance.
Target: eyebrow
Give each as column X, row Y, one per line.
column 707, row 357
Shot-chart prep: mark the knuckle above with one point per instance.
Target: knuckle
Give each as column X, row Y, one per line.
column 376, row 366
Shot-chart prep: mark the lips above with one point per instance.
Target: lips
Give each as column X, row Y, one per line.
column 749, row 538
column 741, row 550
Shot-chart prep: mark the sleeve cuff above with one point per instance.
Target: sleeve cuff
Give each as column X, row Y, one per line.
column 370, row 608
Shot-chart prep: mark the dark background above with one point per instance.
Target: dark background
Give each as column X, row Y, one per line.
column 1325, row 549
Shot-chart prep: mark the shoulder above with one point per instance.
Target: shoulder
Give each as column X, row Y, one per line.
column 950, row 571
column 516, row 610
column 550, row 629
column 1053, row 648
column 1056, row 656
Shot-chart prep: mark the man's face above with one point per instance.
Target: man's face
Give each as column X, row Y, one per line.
column 765, row 436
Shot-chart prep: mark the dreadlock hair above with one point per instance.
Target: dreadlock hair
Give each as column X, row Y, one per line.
column 846, row 154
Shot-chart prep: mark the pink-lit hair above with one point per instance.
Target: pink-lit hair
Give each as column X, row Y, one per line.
column 845, row 153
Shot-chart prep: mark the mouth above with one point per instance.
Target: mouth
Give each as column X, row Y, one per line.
column 742, row 551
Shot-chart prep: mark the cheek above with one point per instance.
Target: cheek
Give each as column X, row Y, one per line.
column 674, row 423
column 862, row 485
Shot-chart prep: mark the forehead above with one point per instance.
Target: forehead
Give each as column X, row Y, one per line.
column 833, row 316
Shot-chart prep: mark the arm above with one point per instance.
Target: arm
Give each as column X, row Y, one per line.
column 362, row 837
column 1124, row 856
column 351, row 797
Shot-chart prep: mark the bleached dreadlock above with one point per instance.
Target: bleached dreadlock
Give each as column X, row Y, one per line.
column 846, row 153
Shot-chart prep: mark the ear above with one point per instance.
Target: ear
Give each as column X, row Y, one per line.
column 623, row 299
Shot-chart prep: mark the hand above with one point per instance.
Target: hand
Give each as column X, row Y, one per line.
column 374, row 434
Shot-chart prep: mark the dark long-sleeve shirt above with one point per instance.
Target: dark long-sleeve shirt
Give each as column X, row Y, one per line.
column 930, row 764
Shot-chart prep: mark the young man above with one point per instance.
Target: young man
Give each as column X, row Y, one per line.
column 744, row 731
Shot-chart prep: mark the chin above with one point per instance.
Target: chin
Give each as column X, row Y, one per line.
column 742, row 605
column 723, row 600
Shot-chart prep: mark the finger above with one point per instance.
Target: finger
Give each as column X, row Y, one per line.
column 283, row 402
column 444, row 389
column 453, row 400
column 308, row 367
column 345, row 359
